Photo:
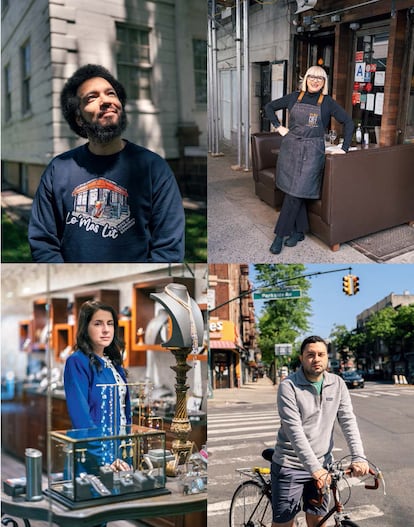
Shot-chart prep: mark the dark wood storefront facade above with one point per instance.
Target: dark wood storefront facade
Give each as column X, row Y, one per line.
column 337, row 34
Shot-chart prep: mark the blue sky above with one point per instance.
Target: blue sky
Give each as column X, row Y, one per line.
column 331, row 306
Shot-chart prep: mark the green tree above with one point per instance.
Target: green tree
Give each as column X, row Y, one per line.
column 381, row 326
column 353, row 341
column 340, row 336
column 282, row 321
column 404, row 324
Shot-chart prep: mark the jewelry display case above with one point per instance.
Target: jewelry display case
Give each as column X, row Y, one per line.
column 84, row 462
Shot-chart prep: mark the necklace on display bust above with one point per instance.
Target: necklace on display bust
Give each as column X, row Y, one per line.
column 186, row 305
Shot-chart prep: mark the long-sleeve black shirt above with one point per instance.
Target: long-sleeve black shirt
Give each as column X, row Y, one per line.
column 329, row 108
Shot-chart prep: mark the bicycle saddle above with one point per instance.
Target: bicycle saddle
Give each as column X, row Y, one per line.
column 267, row 454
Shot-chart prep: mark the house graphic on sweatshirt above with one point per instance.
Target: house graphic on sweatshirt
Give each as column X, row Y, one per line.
column 101, row 198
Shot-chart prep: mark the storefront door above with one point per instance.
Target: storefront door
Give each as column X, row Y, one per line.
column 316, row 50
column 221, row 369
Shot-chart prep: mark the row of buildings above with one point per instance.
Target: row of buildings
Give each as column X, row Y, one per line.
column 234, row 355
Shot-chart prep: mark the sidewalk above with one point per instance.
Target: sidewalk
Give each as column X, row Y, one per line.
column 262, row 391
column 17, row 206
column 240, row 225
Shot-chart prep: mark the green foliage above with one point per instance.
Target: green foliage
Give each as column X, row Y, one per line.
column 404, row 322
column 282, row 321
column 195, row 236
column 340, row 336
column 15, row 246
column 388, row 325
column 381, row 325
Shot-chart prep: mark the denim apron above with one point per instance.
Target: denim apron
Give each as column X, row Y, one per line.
column 302, row 152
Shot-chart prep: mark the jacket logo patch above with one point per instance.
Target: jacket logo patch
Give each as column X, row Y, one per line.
column 101, row 206
column 329, row 399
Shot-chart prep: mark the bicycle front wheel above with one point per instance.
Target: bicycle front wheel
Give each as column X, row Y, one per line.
column 348, row 523
column 250, row 506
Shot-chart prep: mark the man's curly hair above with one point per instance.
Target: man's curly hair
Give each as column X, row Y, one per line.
column 69, row 101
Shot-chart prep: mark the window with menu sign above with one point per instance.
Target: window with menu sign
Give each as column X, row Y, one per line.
column 370, row 63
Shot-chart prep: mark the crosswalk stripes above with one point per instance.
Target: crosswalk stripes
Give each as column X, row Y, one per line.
column 365, row 394
column 226, row 428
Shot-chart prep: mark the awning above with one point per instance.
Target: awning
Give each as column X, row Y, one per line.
column 223, row 344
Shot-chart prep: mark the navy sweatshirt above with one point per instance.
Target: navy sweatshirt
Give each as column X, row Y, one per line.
column 124, row 207
column 329, row 108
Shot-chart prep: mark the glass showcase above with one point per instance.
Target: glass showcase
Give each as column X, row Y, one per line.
column 81, row 465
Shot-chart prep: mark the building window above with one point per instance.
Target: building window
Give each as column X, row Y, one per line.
column 134, row 61
column 26, row 73
column 7, row 93
column 200, row 70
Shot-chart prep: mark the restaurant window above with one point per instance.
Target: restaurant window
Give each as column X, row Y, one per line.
column 26, row 69
column 200, row 70
column 134, row 61
column 370, row 63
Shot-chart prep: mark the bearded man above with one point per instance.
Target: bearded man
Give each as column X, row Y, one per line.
column 108, row 200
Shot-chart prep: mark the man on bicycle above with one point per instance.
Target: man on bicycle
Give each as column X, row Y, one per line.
column 309, row 402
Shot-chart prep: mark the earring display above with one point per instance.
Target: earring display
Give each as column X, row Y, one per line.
column 84, row 464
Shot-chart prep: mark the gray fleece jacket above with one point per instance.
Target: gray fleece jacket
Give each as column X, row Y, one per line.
column 305, row 437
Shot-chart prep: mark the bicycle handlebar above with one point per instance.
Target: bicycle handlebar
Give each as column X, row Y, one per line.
column 376, row 479
column 348, row 472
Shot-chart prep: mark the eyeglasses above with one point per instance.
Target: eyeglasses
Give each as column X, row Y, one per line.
column 316, row 78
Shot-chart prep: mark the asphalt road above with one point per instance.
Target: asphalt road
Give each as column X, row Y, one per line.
column 240, row 427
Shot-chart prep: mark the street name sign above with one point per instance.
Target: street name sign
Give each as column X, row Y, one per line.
column 277, row 295
column 283, row 349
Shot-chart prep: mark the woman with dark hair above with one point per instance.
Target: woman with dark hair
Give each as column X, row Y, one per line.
column 97, row 395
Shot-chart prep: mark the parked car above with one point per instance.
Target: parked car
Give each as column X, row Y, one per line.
column 353, row 379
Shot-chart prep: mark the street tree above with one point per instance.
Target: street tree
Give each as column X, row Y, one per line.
column 381, row 327
column 282, row 321
column 404, row 323
column 347, row 342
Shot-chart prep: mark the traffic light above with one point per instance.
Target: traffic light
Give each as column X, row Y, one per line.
column 355, row 283
column 347, row 284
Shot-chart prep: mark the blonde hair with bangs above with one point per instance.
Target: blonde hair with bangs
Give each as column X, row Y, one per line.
column 318, row 72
